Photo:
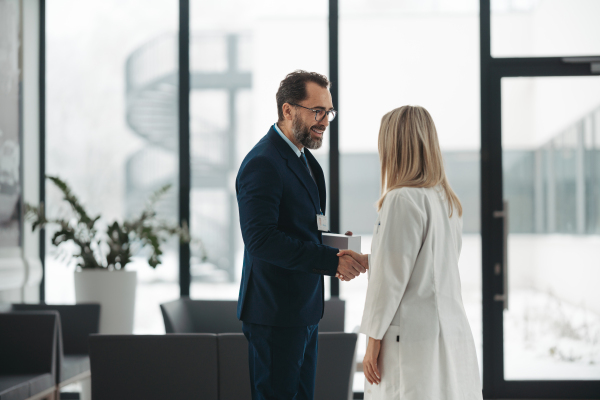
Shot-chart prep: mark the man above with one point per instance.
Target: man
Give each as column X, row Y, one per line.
column 281, row 198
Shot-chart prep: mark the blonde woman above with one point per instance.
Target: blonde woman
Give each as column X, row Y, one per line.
column 420, row 345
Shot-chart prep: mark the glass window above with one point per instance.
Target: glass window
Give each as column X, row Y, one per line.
column 551, row 167
column 10, row 129
column 112, row 129
column 239, row 52
column 390, row 56
column 542, row 28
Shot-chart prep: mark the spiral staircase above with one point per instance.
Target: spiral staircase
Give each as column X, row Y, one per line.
column 152, row 113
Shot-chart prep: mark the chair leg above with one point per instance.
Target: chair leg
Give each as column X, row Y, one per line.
column 86, row 389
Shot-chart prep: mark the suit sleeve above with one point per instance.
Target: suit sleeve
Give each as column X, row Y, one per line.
column 391, row 263
column 259, row 191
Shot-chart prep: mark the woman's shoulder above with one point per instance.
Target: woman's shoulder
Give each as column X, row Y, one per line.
column 412, row 194
column 414, row 198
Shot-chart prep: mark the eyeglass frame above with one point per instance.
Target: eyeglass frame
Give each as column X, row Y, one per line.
column 316, row 111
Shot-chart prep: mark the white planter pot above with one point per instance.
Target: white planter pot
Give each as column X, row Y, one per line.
column 115, row 291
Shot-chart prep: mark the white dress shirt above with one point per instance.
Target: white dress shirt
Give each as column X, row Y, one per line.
column 298, row 152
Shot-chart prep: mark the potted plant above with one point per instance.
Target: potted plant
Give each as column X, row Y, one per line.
column 103, row 255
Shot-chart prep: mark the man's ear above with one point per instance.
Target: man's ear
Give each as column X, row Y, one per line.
column 287, row 111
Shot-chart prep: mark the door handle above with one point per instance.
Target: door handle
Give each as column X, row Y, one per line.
column 504, row 268
column 594, row 62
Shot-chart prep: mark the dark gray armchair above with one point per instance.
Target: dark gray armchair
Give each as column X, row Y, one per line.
column 200, row 316
column 76, row 323
column 335, row 367
column 220, row 316
column 28, row 342
column 234, row 376
column 202, row 365
column 159, row 367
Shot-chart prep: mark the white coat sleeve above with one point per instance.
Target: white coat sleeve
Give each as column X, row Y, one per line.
column 393, row 259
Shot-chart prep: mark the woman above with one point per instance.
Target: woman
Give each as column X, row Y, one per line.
column 420, row 345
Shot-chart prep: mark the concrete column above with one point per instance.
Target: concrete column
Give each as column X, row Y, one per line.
column 31, row 145
column 20, row 267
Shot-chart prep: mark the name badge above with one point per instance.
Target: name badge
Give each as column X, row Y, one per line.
column 322, row 223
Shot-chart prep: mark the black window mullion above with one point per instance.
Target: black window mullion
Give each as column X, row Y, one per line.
column 488, row 171
column 542, row 66
column 184, row 142
column 42, row 139
column 334, row 154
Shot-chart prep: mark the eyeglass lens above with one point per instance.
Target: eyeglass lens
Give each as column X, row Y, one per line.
column 330, row 115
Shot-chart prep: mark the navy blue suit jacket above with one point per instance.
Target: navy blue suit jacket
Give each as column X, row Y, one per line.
column 284, row 258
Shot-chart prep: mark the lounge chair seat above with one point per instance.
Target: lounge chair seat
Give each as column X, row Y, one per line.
column 15, row 387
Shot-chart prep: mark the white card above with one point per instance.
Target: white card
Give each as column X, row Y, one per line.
column 322, row 223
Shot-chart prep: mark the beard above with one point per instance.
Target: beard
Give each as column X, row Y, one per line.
column 302, row 134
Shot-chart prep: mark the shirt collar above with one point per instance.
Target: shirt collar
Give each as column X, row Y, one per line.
column 288, row 141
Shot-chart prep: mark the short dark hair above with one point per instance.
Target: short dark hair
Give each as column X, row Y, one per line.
column 293, row 88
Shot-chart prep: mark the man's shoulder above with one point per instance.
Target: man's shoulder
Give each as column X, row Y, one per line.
column 265, row 151
column 265, row 148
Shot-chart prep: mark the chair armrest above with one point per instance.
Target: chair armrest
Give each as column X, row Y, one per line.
column 28, row 342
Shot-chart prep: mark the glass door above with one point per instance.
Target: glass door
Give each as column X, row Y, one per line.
column 545, row 294
column 540, row 198
column 551, row 179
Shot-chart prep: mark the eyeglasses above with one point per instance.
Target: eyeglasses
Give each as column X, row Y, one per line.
column 320, row 114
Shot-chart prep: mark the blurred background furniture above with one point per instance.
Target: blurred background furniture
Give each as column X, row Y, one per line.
column 220, row 316
column 28, row 353
column 234, row 375
column 201, row 316
column 212, row 366
column 158, row 367
column 336, row 366
column 76, row 323
column 334, row 316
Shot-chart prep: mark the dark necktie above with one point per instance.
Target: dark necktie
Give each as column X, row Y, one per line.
column 305, row 162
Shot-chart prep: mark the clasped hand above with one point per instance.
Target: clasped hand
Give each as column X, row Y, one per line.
column 351, row 264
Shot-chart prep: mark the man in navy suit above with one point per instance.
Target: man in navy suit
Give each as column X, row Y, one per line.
column 281, row 198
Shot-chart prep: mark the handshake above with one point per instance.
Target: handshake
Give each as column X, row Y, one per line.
column 351, row 264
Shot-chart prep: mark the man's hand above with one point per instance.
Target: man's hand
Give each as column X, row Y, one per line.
column 348, row 268
column 362, row 259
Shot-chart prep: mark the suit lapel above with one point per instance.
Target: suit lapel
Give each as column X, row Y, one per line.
column 296, row 166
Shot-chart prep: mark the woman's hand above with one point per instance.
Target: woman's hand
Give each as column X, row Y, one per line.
column 370, row 361
column 362, row 259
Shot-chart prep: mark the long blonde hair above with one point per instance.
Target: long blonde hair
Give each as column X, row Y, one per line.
column 410, row 154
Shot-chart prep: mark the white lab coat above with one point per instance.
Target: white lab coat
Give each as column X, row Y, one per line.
column 414, row 302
